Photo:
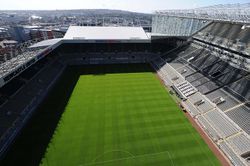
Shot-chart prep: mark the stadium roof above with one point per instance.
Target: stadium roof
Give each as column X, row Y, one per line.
column 129, row 34
column 239, row 13
column 46, row 43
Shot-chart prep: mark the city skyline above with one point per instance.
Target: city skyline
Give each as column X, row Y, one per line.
column 146, row 6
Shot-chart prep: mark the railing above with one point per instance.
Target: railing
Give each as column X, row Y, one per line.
column 7, row 138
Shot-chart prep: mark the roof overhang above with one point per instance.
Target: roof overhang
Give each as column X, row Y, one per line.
column 83, row 34
column 46, row 43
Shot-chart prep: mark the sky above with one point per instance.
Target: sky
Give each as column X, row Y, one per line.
column 146, row 6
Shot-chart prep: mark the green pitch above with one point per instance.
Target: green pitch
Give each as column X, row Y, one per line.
column 124, row 119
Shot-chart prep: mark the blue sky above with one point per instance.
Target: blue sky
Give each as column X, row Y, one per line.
column 131, row 5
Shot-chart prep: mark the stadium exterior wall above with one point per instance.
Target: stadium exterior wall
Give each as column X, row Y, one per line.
column 163, row 25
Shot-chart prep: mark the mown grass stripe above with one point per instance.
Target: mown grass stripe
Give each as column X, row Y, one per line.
column 110, row 117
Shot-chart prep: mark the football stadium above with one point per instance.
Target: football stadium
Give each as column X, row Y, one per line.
column 120, row 96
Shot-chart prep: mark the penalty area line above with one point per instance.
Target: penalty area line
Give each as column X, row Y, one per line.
column 131, row 157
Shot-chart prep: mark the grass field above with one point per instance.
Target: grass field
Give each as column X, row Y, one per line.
column 124, row 119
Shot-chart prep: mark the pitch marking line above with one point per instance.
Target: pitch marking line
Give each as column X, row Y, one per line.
column 125, row 158
column 113, row 151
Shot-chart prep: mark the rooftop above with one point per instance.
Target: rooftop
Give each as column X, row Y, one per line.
column 46, row 43
column 106, row 33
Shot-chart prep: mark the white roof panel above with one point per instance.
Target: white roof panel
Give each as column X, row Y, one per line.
column 105, row 33
column 46, row 43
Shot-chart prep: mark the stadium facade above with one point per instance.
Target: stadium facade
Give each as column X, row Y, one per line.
column 201, row 54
